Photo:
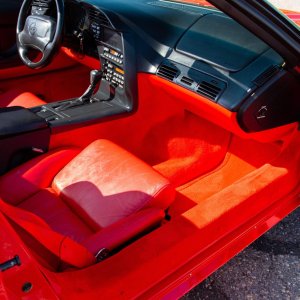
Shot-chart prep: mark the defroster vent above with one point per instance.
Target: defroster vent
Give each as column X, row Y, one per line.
column 187, row 81
column 209, row 90
column 168, row 72
column 265, row 76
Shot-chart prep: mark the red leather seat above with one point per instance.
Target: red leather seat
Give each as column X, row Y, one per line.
column 18, row 98
column 100, row 197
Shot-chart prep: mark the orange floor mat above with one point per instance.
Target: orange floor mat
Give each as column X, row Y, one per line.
column 243, row 157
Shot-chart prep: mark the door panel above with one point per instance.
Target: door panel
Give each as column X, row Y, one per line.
column 8, row 19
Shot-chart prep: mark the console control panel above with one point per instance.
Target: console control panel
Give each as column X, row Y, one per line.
column 113, row 67
column 114, row 75
column 113, row 55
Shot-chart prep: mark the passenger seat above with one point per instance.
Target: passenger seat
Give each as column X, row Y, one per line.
column 101, row 197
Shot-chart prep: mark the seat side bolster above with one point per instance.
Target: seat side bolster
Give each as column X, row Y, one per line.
column 20, row 98
column 124, row 230
column 163, row 197
column 26, row 180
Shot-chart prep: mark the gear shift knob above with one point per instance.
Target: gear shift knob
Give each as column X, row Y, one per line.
column 95, row 75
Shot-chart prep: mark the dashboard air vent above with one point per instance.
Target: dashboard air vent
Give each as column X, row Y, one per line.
column 209, row 90
column 186, row 80
column 265, row 76
column 99, row 17
column 168, row 72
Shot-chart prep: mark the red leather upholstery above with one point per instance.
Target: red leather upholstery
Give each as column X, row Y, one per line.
column 57, row 215
column 18, row 98
column 33, row 175
column 116, row 182
column 118, row 233
column 100, row 197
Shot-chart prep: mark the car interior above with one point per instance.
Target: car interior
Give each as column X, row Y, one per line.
column 139, row 133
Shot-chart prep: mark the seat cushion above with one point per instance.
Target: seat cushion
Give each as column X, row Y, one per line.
column 18, row 98
column 105, row 183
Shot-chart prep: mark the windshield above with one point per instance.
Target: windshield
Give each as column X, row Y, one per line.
column 291, row 8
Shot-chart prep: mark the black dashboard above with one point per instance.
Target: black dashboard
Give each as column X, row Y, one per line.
column 198, row 48
column 88, row 31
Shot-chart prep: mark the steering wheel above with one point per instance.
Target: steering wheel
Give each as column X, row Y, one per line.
column 40, row 32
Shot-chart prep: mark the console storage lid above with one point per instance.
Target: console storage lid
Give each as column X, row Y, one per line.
column 18, row 120
column 23, row 135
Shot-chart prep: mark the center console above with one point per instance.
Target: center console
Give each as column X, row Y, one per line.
column 112, row 57
column 23, row 135
column 113, row 88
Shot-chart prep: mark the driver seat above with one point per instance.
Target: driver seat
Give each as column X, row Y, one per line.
column 19, row 98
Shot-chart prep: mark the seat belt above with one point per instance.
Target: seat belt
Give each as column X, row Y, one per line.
column 61, row 246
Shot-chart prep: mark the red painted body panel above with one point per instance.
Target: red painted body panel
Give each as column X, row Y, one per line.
column 13, row 280
column 294, row 16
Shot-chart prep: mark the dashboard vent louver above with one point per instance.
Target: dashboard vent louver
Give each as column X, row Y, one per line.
column 186, row 80
column 99, row 17
column 265, row 76
column 168, row 72
column 209, row 90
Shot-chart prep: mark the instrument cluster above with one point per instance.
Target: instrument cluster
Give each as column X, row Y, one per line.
column 82, row 33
